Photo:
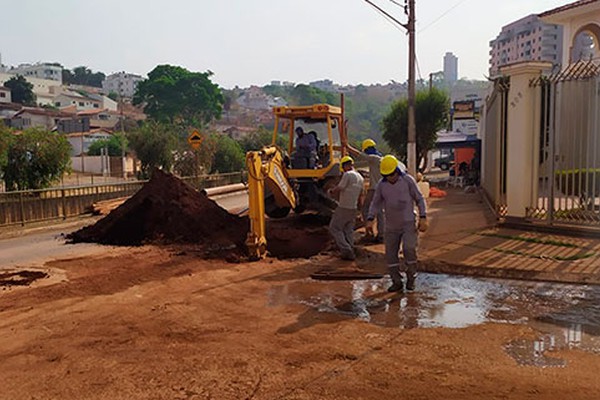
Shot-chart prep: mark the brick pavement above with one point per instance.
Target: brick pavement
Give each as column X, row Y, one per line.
column 464, row 239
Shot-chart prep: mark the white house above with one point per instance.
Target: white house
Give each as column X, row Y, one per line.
column 40, row 71
column 44, row 89
column 83, row 140
column 5, row 95
column 81, row 102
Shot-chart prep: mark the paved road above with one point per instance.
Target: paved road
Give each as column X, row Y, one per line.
column 32, row 247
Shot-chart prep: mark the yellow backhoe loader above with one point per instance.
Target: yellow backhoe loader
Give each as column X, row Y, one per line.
column 280, row 181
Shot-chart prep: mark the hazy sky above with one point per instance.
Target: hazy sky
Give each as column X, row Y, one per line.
column 247, row 42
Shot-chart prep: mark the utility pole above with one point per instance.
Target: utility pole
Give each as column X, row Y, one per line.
column 411, row 147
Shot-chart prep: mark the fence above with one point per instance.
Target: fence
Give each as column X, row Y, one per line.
column 21, row 207
column 568, row 165
column 494, row 146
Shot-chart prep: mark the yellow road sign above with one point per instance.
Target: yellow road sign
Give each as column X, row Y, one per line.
column 195, row 140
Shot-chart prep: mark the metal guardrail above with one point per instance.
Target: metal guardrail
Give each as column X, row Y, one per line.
column 26, row 206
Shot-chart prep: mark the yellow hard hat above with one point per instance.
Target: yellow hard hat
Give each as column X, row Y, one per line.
column 344, row 160
column 388, row 165
column 367, row 143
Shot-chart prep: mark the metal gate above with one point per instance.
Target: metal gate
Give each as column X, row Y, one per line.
column 494, row 146
column 568, row 160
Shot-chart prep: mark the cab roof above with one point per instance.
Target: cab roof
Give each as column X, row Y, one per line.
column 315, row 110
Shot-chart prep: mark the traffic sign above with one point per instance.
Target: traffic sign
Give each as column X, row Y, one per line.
column 195, row 140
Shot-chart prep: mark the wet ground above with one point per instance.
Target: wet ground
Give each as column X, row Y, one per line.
column 566, row 316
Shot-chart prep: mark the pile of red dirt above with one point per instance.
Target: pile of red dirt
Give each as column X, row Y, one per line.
column 166, row 210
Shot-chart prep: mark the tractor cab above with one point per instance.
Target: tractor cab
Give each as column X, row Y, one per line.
column 316, row 139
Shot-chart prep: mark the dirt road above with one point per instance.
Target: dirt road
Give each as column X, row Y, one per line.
column 157, row 323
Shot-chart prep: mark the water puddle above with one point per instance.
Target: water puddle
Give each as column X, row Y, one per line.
column 566, row 316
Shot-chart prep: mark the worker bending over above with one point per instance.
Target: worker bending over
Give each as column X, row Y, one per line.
column 342, row 222
column 398, row 193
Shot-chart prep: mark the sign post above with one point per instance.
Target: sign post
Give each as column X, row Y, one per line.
column 195, row 140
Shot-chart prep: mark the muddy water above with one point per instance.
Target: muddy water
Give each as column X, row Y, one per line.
column 566, row 316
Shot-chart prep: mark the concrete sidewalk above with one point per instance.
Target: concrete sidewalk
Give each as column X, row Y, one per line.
column 464, row 239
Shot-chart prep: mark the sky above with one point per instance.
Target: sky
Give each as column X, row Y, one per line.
column 253, row 42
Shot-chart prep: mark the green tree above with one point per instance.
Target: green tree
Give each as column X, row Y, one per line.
column 175, row 95
column 21, row 91
column 114, row 96
column 116, row 145
column 83, row 76
column 35, row 159
column 5, row 137
column 154, row 144
column 431, row 115
column 229, row 156
column 259, row 138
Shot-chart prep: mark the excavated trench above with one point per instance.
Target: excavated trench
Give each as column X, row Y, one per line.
column 168, row 211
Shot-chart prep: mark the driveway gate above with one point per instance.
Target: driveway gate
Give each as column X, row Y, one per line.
column 568, row 158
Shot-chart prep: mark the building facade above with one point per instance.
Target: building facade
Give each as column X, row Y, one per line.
column 528, row 39
column 5, row 95
column 122, row 83
column 450, row 68
column 40, row 71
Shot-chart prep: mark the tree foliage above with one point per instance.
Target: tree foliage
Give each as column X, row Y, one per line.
column 116, row 145
column 34, row 159
column 260, row 138
column 21, row 90
column 431, row 115
column 83, row 76
column 302, row 95
column 175, row 95
column 229, row 156
column 154, row 144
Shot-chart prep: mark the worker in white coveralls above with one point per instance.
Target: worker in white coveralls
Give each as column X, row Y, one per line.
column 398, row 193
column 342, row 222
column 372, row 157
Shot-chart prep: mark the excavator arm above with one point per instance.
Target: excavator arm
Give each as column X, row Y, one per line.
column 265, row 167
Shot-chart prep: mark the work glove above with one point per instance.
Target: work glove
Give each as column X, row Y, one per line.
column 423, row 224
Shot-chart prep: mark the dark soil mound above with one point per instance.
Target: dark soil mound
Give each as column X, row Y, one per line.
column 166, row 210
column 298, row 236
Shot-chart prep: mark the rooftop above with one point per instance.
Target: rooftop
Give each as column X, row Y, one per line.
column 567, row 7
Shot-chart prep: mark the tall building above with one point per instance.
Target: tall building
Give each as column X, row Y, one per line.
column 121, row 83
column 450, row 68
column 527, row 39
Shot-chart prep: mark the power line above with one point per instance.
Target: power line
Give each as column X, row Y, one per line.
column 442, row 15
column 386, row 14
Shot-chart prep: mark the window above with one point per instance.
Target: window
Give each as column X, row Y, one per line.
column 2, row 94
column 81, row 104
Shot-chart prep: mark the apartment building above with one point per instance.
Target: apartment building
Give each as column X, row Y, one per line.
column 450, row 68
column 122, row 83
column 527, row 39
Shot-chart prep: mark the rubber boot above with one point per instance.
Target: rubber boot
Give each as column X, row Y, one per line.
column 397, row 285
column 411, row 275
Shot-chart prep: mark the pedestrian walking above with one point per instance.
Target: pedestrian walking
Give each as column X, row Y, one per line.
column 342, row 222
column 398, row 194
